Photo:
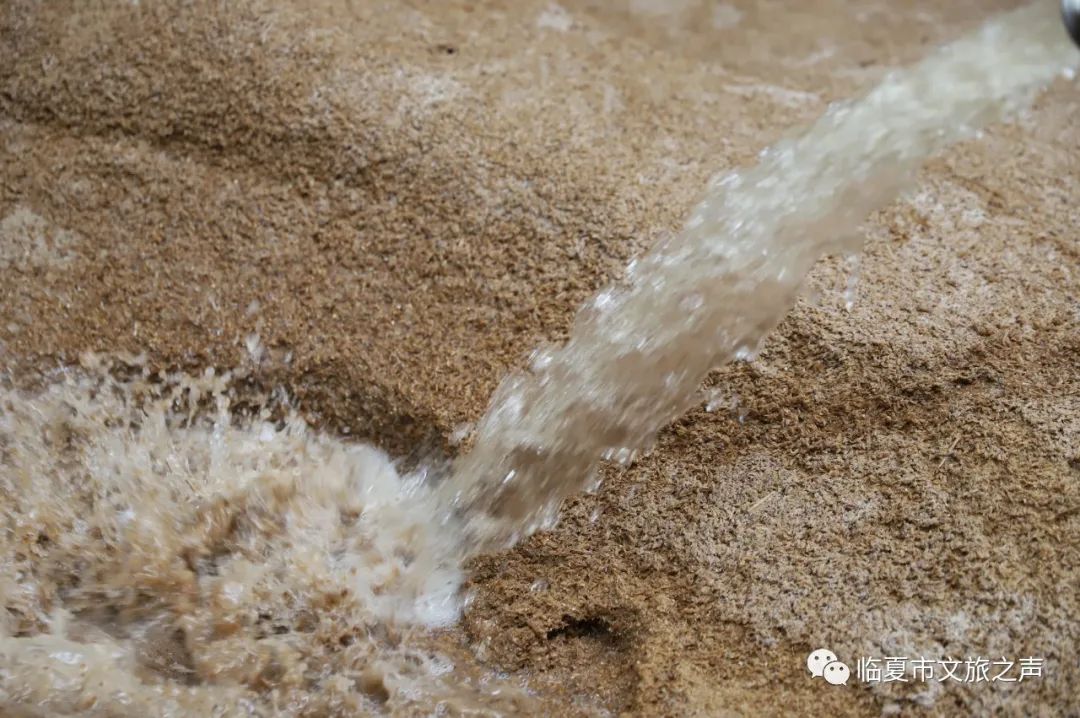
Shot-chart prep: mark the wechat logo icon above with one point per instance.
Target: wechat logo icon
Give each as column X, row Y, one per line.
column 822, row 663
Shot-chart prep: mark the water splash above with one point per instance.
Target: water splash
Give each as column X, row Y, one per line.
column 639, row 350
column 172, row 547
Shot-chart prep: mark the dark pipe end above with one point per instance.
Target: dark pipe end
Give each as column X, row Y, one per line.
column 1070, row 13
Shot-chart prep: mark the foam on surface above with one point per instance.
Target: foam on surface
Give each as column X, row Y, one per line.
column 171, row 547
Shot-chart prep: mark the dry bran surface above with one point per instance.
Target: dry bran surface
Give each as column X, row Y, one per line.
column 402, row 199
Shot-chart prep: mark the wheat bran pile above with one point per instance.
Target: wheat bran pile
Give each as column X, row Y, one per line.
column 382, row 207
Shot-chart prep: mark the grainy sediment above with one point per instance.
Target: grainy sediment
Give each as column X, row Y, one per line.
column 402, row 201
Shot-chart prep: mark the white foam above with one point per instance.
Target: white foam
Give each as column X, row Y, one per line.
column 555, row 17
column 148, row 501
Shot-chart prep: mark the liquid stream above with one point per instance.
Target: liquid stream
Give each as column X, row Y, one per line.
column 172, row 549
column 639, row 351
